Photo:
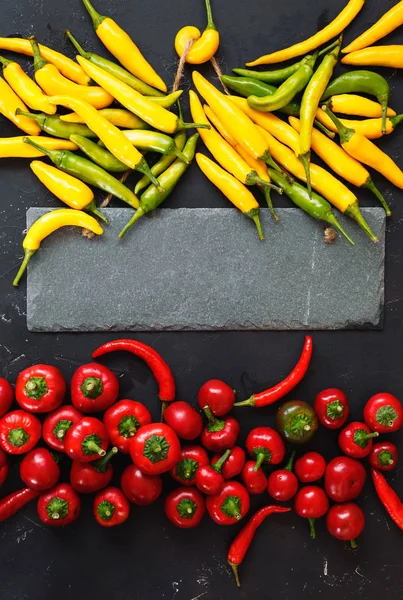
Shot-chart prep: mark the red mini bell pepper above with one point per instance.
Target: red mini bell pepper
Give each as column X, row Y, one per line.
column 19, row 432
column 111, row 507
column 185, row 507
column 123, row 420
column 355, row 440
column 311, row 503
column 384, row 456
column 254, row 481
column 57, row 424
column 383, row 413
column 282, row 485
column 331, row 407
column 39, row 470
column 266, row 446
column 209, row 479
column 6, row 396
column 190, row 459
column 12, row 503
column 86, row 478
column 230, row 505
column 310, row 467
column 59, row 506
column 344, row 479
column 234, row 464
column 184, row 420
column 4, row 468
column 40, row 389
column 220, row 434
column 139, row 488
column 345, row 522
column 155, row 449
column 87, row 440
column 94, row 388
column 217, row 396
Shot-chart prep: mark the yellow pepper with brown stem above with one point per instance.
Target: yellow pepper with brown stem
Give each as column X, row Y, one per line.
column 204, row 45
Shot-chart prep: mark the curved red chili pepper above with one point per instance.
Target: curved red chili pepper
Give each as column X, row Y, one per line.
column 284, row 387
column 15, row 501
column 388, row 497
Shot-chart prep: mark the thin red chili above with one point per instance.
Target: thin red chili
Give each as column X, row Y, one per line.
column 243, row 540
column 388, row 497
column 284, row 387
column 15, row 501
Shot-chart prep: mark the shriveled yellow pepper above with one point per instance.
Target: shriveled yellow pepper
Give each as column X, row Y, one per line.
column 369, row 128
column 386, row 24
column 48, row 224
column 117, row 116
column 120, row 44
column 14, row 147
column 233, row 189
column 204, row 45
column 352, row 104
column 9, row 102
column 377, row 56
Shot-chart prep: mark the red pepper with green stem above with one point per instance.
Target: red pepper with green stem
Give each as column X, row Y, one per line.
column 40, row 389
column 345, row 522
column 6, row 396
column 123, row 420
column 282, row 485
column 217, row 396
column 254, row 481
column 111, row 507
column 57, row 424
column 184, row 420
column 331, row 407
column 344, row 479
column 234, row 464
column 310, row 467
column 87, row 440
column 185, row 507
column 19, row 432
column 297, row 422
column 94, row 388
column 12, row 503
column 4, row 468
column 355, row 440
column 139, row 488
column 230, row 505
column 190, row 460
column 388, row 497
column 383, row 456
column 209, row 479
column 86, row 478
column 39, row 470
column 155, row 449
column 266, row 446
column 383, row 413
column 60, row 506
column 220, row 434
column 311, row 503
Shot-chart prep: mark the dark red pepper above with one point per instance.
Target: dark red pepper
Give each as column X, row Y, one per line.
column 123, row 420
column 139, row 488
column 355, row 440
column 60, row 506
column 87, row 440
column 311, row 503
column 4, row 468
column 111, row 507
column 185, row 507
column 282, row 485
column 230, row 505
column 345, row 522
column 266, row 446
column 86, row 478
column 39, row 470
column 284, row 387
column 40, row 389
column 388, row 497
column 19, row 432
column 234, row 464
column 254, row 481
column 155, row 448
column 57, row 424
column 94, row 388
column 310, row 467
column 344, row 479
column 190, row 459
column 220, row 434
column 12, row 503
column 331, row 407
column 217, row 396
column 384, row 456
column 184, row 420
column 209, row 479
column 383, row 413
column 6, row 396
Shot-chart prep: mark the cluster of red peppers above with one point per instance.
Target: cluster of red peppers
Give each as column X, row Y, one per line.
column 208, row 483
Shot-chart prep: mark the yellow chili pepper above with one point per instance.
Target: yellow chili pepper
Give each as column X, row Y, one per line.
column 377, row 56
column 204, row 46
column 352, row 104
column 334, row 29
column 117, row 116
column 66, row 66
column 9, row 102
column 25, row 87
column 233, row 189
column 14, row 147
column 120, row 44
column 369, row 128
column 386, row 24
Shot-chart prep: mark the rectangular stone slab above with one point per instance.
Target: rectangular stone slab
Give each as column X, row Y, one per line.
column 205, row 269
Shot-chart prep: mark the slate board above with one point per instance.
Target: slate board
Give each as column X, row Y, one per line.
column 205, row 269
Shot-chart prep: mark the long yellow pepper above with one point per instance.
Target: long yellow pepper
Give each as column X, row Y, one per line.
column 352, row 104
column 48, row 224
column 9, row 102
column 233, row 189
column 386, row 24
column 25, row 87
column 117, row 116
column 15, row 147
column 377, row 56
column 334, row 29
column 369, row 128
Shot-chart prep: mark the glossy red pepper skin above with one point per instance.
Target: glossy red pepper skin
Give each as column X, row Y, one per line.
column 220, row 434
column 310, row 467
column 184, row 420
column 185, row 507
column 355, row 440
column 384, row 456
column 190, row 459
column 383, row 413
column 123, row 420
column 139, row 488
column 282, row 485
column 56, row 425
column 59, row 506
column 94, row 388
column 12, row 503
column 209, row 481
column 283, row 388
column 331, row 407
column 39, row 470
column 111, row 507
column 86, row 478
column 217, row 396
column 254, row 481
column 6, row 396
column 243, row 540
column 19, row 432
column 155, row 449
column 311, row 503
column 230, row 505
column 4, row 467
column 87, row 440
column 266, row 446
column 345, row 522
column 388, row 497
column 344, row 479
column 234, row 464
column 40, row 389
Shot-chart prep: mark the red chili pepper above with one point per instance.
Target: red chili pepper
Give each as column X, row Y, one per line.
column 243, row 540
column 230, row 505
column 15, row 501
column 86, row 478
column 345, row 522
column 383, row 413
column 383, row 456
column 6, row 396
column 185, row 507
column 344, row 479
column 93, row 388
column 284, row 387
column 60, row 506
column 234, row 464
column 220, row 434
column 19, row 432
column 123, row 420
column 139, row 488
column 4, row 468
column 282, row 485
column 388, row 497
column 355, row 440
column 39, row 470
column 255, row 481
column 87, row 440
column 332, row 408
column 57, row 424
column 111, row 507
column 40, row 389
column 184, row 420
column 155, row 449
column 209, row 479
column 266, row 446
column 311, row 503
column 217, row 396
column 310, row 467
column 190, row 459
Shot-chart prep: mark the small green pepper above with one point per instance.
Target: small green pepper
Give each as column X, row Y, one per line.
column 53, row 125
column 277, row 76
column 297, row 422
column 100, row 156
column 247, row 86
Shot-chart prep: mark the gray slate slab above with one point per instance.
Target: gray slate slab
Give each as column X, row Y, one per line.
column 205, row 269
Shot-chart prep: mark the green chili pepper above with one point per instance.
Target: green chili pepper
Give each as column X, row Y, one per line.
column 100, row 156
column 247, row 86
column 287, row 90
column 277, row 76
column 314, row 205
column 154, row 141
column 53, row 125
column 364, row 82
column 151, row 199
column 86, row 171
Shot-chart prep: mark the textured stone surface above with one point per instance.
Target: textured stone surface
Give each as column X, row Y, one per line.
column 205, row 269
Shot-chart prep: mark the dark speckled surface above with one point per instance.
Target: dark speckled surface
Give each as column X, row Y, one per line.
column 149, row 559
